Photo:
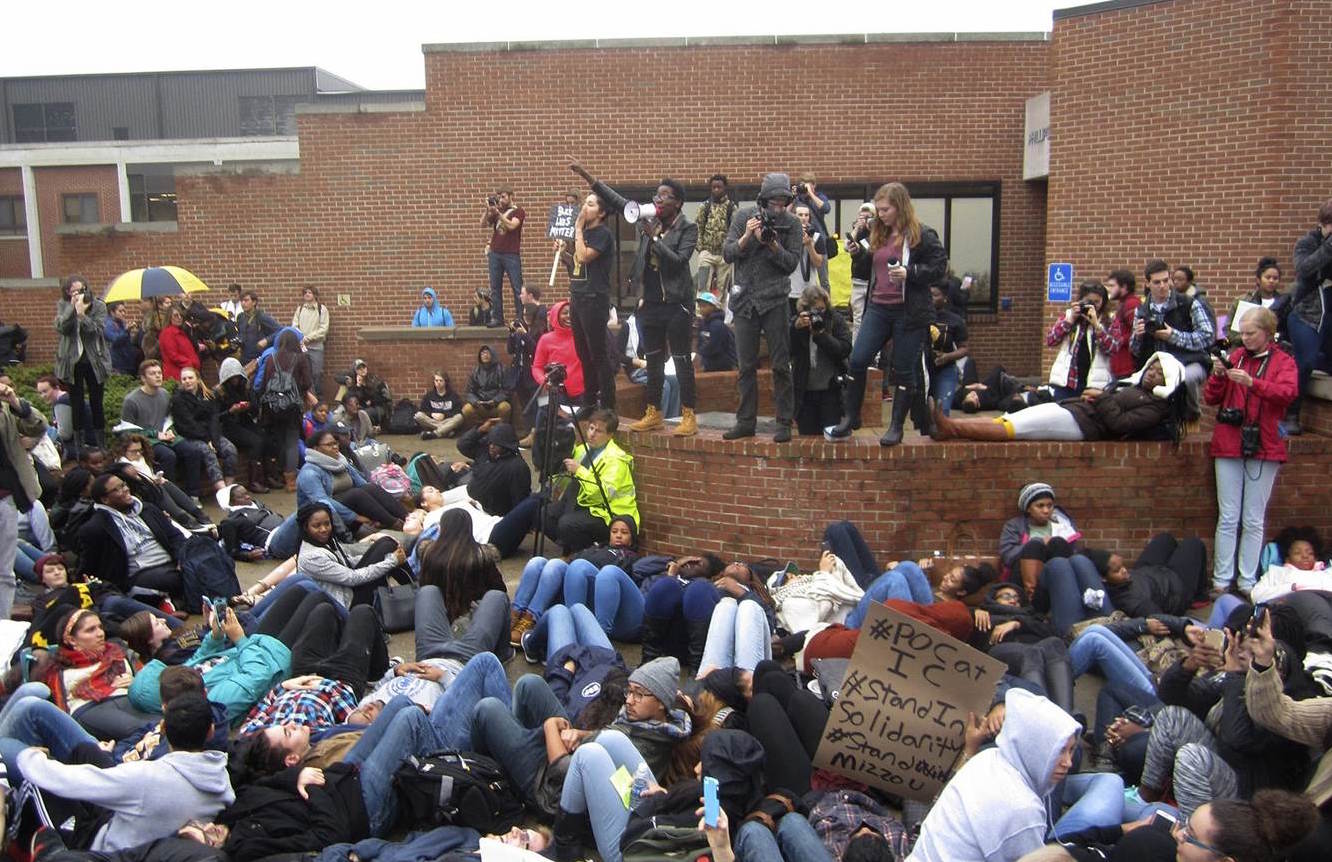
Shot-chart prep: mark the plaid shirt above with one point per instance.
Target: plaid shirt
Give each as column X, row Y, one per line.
column 839, row 814
column 323, row 706
column 1202, row 336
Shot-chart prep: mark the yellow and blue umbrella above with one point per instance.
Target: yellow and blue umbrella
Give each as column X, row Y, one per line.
column 153, row 281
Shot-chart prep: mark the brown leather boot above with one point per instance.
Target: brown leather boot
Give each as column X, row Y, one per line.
column 987, row 430
column 688, row 426
column 289, row 480
column 256, row 484
column 651, row 420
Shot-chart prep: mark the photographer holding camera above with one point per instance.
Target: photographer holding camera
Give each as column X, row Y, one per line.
column 820, row 344
column 503, row 252
column 83, row 361
column 1085, row 346
column 764, row 242
column 1252, row 387
column 906, row 258
column 812, row 271
column 1176, row 323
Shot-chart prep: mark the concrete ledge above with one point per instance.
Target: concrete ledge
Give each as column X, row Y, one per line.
column 117, row 227
column 410, row 107
column 28, row 284
column 714, row 41
column 432, row 333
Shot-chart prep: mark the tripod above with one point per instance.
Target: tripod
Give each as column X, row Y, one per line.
column 556, row 395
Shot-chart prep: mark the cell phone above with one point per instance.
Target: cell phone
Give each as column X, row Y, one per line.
column 711, row 807
column 1259, row 616
column 219, row 610
column 824, row 546
column 1215, row 638
column 1163, row 820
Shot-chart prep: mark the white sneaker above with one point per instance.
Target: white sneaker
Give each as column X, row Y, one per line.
column 1093, row 598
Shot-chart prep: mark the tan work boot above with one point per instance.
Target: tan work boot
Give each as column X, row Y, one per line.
column 521, row 622
column 651, row 419
column 688, row 426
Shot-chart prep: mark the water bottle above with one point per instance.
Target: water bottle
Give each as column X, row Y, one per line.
column 642, row 780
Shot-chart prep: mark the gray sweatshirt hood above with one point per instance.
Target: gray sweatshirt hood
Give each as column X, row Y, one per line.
column 774, row 185
column 1034, row 734
column 206, row 771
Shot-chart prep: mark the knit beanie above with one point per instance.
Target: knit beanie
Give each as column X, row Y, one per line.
column 661, row 677
column 1099, row 558
column 1033, row 492
column 39, row 566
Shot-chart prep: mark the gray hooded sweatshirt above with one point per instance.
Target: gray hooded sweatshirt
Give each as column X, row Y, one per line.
column 148, row 799
column 763, row 277
column 993, row 809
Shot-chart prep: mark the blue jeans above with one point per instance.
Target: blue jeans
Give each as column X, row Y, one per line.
column 534, row 701
column 402, row 730
column 614, row 598
column 670, row 391
column 878, row 327
column 30, row 719
column 24, row 559
column 1308, row 344
column 907, row 583
column 539, row 585
column 1098, row 647
column 845, row 541
column 285, row 541
column 945, row 386
column 561, row 626
column 587, row 788
column 499, row 263
column 795, row 841
column 125, row 607
column 738, row 636
column 521, row 750
column 1222, row 608
column 1064, row 581
column 1096, row 800
column 294, row 581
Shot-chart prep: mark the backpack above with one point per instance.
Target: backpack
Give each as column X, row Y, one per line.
column 281, row 396
column 422, row 470
column 372, row 454
column 458, row 788
column 391, row 478
column 403, row 418
column 206, row 571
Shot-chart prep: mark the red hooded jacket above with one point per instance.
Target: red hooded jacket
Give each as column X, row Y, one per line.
column 557, row 345
column 1267, row 401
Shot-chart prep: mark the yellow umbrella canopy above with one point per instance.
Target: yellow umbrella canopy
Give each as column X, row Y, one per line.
column 153, row 281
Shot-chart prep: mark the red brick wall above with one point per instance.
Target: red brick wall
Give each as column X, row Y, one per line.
column 759, row 499
column 52, row 184
column 385, row 203
column 1192, row 130
column 13, row 251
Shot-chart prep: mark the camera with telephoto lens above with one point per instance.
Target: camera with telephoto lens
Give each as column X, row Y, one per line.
column 1219, row 354
column 769, row 226
column 493, row 201
column 1251, row 440
column 556, row 373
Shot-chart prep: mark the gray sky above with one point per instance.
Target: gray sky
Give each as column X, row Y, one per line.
column 377, row 45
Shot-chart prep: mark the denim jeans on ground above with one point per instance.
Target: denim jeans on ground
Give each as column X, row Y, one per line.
column 534, row 701
column 124, row 607
column 29, row 719
column 1096, row 800
column 26, row 554
column 1098, row 647
column 610, row 593
column 1221, row 610
column 520, row 750
column 907, row 583
column 1064, row 581
column 294, row 581
column 1243, row 487
column 795, row 840
column 588, row 788
column 738, row 636
column 845, row 541
column 539, row 585
column 561, row 626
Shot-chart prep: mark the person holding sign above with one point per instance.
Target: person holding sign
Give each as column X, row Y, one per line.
column 995, row 807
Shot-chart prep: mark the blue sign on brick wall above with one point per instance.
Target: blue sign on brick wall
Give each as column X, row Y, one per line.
column 1059, row 284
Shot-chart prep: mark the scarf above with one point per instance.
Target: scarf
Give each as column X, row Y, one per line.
column 324, row 462
column 677, row 725
column 111, row 664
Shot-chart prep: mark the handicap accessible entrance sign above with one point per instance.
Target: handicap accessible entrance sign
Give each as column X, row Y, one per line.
column 1059, row 284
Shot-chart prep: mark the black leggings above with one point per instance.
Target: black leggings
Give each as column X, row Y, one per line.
column 1057, row 547
column 248, row 441
column 589, row 317
column 85, row 376
column 1187, row 559
column 289, row 616
column 353, row 652
column 382, row 549
column 373, row 502
column 784, row 717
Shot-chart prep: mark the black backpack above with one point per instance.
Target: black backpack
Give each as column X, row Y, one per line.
column 281, row 395
column 458, row 788
column 403, row 418
column 206, row 571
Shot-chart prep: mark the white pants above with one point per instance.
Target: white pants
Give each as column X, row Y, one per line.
column 1044, row 422
column 858, row 290
column 1243, row 487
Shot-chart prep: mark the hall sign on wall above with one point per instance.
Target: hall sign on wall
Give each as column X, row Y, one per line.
column 1036, row 152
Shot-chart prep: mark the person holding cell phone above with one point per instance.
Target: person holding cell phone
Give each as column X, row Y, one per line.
column 906, row 258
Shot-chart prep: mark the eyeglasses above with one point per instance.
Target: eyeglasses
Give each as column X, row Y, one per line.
column 637, row 694
column 1184, row 832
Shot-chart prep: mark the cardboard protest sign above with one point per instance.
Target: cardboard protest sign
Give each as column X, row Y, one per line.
column 560, row 222
column 899, row 720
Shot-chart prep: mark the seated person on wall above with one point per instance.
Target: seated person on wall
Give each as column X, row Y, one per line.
column 1083, row 359
column 431, row 313
column 716, row 341
column 820, row 345
column 479, row 314
column 948, row 350
column 1143, row 407
column 372, row 393
column 1266, row 293
column 440, row 411
column 148, row 408
column 485, row 396
column 1177, row 324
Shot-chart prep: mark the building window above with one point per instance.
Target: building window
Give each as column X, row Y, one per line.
column 81, row 209
column 152, row 197
column 268, row 115
column 120, row 133
column 13, row 218
column 44, row 122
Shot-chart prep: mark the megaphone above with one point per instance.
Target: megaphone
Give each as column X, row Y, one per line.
column 632, row 210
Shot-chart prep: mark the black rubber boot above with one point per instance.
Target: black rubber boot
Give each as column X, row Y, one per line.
column 901, row 404
column 853, row 395
column 698, row 639
column 656, row 638
column 921, row 414
column 569, row 833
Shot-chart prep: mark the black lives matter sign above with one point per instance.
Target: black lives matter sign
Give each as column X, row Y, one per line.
column 560, row 222
column 900, row 718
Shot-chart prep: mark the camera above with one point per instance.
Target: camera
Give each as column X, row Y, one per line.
column 1084, row 308
column 515, row 324
column 816, row 319
column 1151, row 324
column 809, row 230
column 1230, row 416
column 1251, row 440
column 1219, row 354
column 769, row 226
column 492, row 201
column 556, row 373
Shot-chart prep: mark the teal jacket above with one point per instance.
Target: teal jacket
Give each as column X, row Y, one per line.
column 236, row 676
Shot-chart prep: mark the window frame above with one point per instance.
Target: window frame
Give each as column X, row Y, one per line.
column 18, row 215
column 24, row 134
column 82, row 198
column 141, row 197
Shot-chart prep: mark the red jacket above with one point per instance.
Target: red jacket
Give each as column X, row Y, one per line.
column 1268, row 399
column 177, row 351
column 557, row 345
column 1121, row 328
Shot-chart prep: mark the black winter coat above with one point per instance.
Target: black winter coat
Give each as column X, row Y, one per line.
column 497, row 485
column 1123, row 413
column 833, row 341
column 195, row 417
column 269, row 816
column 927, row 264
column 1151, row 590
column 104, row 556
